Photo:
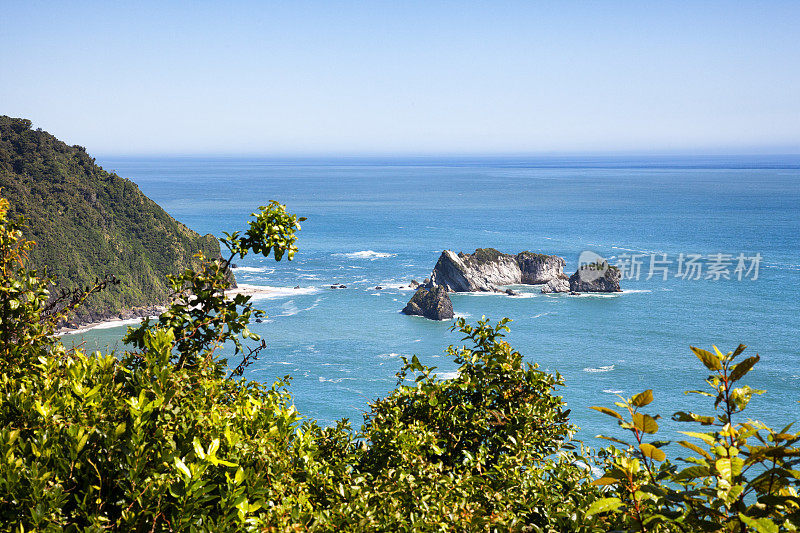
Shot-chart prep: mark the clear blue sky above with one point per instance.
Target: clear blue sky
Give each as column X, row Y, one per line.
column 297, row 77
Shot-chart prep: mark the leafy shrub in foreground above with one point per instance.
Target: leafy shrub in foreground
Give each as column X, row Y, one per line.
column 161, row 438
column 742, row 476
column 167, row 438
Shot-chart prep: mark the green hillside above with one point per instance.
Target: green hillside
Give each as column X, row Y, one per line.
column 89, row 223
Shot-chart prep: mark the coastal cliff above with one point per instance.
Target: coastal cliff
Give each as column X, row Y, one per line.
column 89, row 223
column 487, row 268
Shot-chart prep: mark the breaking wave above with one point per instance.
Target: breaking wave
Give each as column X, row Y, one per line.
column 366, row 254
column 608, row 368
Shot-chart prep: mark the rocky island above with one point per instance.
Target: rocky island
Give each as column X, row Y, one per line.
column 433, row 303
column 487, row 269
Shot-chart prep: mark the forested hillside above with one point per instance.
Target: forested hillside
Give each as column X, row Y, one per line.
column 89, row 223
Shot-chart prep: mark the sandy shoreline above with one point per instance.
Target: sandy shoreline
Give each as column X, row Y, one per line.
column 104, row 324
column 254, row 291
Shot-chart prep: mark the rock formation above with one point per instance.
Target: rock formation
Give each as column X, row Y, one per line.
column 433, row 303
column 487, row 268
column 607, row 281
column 560, row 284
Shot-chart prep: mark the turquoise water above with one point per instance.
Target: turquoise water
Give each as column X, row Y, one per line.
column 373, row 222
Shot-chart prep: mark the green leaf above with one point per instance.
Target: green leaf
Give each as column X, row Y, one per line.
column 607, row 411
column 729, row 466
column 709, row 359
column 692, row 472
column 645, row 423
column 180, row 465
column 695, row 448
column 643, row 398
column 708, row 439
column 605, row 480
column 761, row 525
column 604, row 505
column 612, row 439
column 743, row 368
column 652, row 452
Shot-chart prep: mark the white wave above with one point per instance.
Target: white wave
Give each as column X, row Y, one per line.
column 448, row 375
column 388, row 355
column 608, row 368
column 335, row 380
column 635, row 291
column 290, row 309
column 540, row 315
column 396, row 286
column 267, row 292
column 366, row 254
column 482, row 293
column 255, row 270
column 462, row 315
column 612, row 391
column 523, row 295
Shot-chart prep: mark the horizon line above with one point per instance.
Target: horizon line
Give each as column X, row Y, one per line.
column 446, row 155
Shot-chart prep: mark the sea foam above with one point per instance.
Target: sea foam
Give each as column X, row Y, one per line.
column 366, row 254
column 608, row 368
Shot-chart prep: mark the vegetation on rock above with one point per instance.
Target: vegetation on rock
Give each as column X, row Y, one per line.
column 90, row 224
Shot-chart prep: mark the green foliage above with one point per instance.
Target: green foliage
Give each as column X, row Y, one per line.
column 201, row 316
column 485, row 255
column 742, row 476
column 273, row 230
column 90, row 224
column 166, row 438
column 476, row 450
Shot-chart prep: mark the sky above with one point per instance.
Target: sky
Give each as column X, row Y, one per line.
column 369, row 78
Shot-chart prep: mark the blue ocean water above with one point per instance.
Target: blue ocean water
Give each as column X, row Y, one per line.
column 383, row 222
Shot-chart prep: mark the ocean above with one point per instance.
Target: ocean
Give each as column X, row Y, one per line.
column 723, row 231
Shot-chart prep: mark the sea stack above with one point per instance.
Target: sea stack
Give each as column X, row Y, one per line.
column 591, row 280
column 433, row 303
column 486, row 268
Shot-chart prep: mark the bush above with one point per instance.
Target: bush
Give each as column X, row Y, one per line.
column 743, row 475
column 168, row 437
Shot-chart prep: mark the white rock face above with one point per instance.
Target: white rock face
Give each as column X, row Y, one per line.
column 487, row 268
column 556, row 285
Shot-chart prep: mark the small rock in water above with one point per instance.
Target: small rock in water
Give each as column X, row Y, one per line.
column 434, row 304
column 342, row 286
column 378, row 288
column 259, row 320
column 297, row 286
column 511, row 292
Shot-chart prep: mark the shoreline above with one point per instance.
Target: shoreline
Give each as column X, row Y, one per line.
column 103, row 324
column 254, row 291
